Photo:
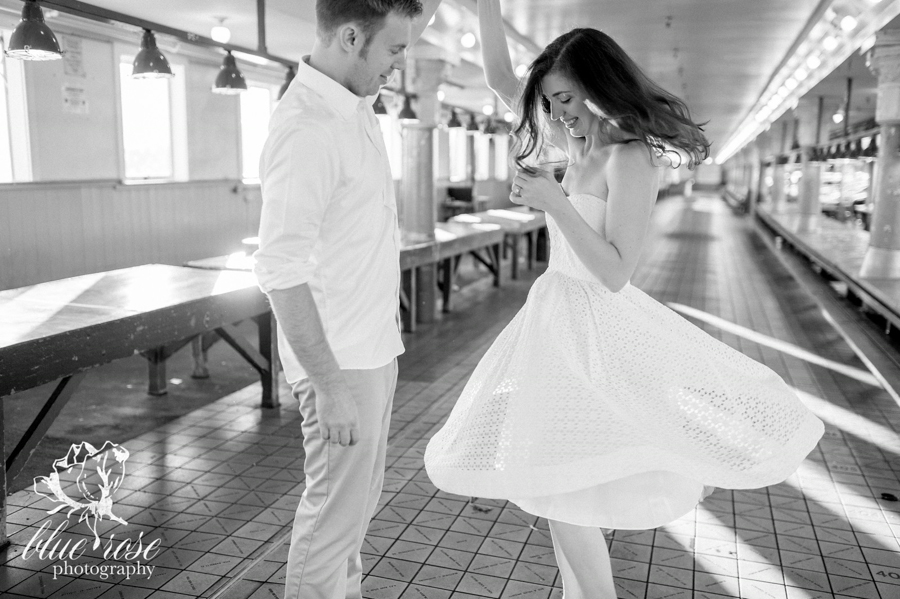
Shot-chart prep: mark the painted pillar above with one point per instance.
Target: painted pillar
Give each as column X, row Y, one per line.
column 417, row 194
column 882, row 258
column 763, row 145
column 808, row 115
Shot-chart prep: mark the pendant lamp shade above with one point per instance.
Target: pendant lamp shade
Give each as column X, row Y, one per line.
column 472, row 126
column 454, row 122
column 407, row 113
column 379, row 106
column 32, row 38
column 288, row 77
column 230, row 80
column 150, row 62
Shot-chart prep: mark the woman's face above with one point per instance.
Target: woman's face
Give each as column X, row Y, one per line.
column 567, row 103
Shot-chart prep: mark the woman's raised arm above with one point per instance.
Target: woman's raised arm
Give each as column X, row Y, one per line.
column 498, row 69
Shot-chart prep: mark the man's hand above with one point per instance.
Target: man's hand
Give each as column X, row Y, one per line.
column 337, row 414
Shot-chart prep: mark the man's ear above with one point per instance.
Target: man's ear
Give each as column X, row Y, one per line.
column 351, row 37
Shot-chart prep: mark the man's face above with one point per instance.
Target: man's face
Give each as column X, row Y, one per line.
column 385, row 52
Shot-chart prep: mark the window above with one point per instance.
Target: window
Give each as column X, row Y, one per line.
column 154, row 124
column 256, row 108
column 458, row 154
column 393, row 143
column 482, row 156
column 501, row 156
column 15, row 148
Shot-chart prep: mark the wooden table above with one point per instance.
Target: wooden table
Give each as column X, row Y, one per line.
column 56, row 331
column 451, row 241
column 516, row 223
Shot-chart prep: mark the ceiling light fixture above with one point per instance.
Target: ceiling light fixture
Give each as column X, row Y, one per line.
column 32, row 38
column 219, row 32
column 468, row 40
column 150, row 62
column 849, row 23
column 230, row 80
column 487, row 110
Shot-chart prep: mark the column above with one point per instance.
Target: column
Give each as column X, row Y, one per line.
column 425, row 72
column 763, row 145
column 753, row 176
column 882, row 258
column 808, row 117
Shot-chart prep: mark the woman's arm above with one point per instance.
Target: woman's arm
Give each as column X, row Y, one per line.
column 610, row 256
column 498, row 69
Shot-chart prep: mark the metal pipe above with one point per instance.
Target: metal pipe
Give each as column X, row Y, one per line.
column 261, row 25
column 95, row 13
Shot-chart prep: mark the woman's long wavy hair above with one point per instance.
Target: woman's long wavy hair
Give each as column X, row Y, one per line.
column 618, row 87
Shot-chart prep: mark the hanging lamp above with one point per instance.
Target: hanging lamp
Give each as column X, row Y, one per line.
column 407, row 113
column 150, row 62
column 472, row 125
column 288, row 77
column 230, row 80
column 379, row 106
column 32, row 38
column 454, row 122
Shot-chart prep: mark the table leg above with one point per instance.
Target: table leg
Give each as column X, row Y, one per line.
column 156, row 361
column 408, row 289
column 268, row 347
column 514, row 244
column 447, row 283
column 4, row 540
column 201, row 371
column 494, row 253
column 426, row 286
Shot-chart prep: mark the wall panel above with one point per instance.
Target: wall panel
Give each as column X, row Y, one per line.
column 57, row 231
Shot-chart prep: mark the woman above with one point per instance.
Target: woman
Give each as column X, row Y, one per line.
column 597, row 406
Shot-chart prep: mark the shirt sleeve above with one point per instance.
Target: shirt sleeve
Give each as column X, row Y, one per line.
column 300, row 172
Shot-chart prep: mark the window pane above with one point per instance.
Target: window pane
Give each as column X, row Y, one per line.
column 482, row 157
column 458, row 144
column 256, row 108
column 146, row 125
column 501, row 149
column 6, row 170
column 393, row 142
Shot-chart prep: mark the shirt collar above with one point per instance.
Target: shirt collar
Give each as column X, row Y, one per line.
column 345, row 102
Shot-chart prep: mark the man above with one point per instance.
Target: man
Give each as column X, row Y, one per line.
column 329, row 261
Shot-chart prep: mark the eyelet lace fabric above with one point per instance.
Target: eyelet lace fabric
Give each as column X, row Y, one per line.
column 609, row 409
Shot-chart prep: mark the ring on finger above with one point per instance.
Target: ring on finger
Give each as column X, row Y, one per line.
column 517, row 190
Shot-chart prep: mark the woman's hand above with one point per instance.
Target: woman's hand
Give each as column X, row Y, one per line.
column 540, row 191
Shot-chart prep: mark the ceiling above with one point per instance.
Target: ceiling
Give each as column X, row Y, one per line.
column 716, row 54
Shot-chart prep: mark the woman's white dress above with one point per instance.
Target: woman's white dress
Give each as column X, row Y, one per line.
column 609, row 409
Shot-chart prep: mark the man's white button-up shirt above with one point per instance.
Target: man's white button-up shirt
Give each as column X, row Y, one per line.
column 329, row 219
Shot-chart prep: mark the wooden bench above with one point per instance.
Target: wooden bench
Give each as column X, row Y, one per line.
column 516, row 223
column 57, row 331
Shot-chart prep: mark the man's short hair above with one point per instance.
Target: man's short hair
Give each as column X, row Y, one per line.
column 369, row 14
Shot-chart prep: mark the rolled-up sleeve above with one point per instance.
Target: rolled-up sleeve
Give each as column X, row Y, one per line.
column 300, row 172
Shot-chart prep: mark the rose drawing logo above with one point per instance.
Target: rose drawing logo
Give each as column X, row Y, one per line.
column 98, row 473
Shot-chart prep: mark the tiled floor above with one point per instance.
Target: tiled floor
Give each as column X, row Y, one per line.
column 217, row 487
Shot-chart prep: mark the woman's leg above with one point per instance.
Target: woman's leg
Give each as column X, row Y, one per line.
column 583, row 561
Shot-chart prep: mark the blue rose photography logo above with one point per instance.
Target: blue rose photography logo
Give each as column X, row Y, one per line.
column 83, row 483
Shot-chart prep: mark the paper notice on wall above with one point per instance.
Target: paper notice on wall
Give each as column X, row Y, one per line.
column 74, row 99
column 73, row 58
